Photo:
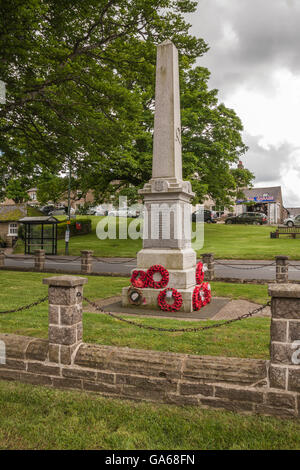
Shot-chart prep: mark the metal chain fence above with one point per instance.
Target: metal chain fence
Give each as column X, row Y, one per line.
column 174, row 330
column 295, row 266
column 101, row 260
column 23, row 257
column 62, row 260
column 25, row 307
column 238, row 266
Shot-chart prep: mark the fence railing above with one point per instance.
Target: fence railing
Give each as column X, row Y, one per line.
column 88, row 261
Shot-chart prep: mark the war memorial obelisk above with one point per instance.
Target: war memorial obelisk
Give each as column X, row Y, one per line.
column 167, row 215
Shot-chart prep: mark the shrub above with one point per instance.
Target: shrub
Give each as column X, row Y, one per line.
column 85, row 224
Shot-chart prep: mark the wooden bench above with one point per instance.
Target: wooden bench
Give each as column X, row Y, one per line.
column 291, row 232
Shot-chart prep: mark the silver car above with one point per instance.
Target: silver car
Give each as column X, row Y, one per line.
column 292, row 221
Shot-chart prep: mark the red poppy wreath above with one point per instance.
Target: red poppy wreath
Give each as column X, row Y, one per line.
column 175, row 306
column 157, row 268
column 199, row 273
column 138, row 278
column 201, row 296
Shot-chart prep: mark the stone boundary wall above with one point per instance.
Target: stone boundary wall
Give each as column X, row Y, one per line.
column 233, row 384
column 240, row 385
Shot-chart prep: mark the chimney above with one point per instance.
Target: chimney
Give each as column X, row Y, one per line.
column 240, row 165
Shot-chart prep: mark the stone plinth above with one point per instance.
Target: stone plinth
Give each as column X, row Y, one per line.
column 150, row 299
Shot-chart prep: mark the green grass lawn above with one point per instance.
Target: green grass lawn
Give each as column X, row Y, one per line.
column 248, row 338
column 225, row 241
column 34, row 417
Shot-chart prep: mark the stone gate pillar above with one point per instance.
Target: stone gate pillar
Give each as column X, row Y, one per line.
column 208, row 259
column 282, row 269
column 39, row 260
column 86, row 261
column 284, row 371
column 65, row 316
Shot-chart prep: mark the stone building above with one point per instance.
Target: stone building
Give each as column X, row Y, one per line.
column 293, row 211
column 266, row 200
column 10, row 214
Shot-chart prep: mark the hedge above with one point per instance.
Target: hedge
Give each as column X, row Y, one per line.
column 85, row 224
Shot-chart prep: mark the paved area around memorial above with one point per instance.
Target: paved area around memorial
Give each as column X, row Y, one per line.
column 220, row 308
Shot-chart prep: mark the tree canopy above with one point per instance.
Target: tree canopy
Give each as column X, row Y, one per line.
column 80, row 92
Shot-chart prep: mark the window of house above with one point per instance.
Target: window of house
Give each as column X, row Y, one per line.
column 13, row 229
column 33, row 196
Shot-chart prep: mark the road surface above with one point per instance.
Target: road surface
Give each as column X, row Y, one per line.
column 235, row 269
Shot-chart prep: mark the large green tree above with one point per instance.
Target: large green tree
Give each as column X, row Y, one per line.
column 80, row 90
column 17, row 189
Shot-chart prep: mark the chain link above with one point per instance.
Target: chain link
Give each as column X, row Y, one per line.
column 62, row 260
column 238, row 266
column 24, row 257
column 174, row 330
column 101, row 260
column 26, row 307
column 295, row 266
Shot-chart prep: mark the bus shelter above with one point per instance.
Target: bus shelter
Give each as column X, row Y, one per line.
column 40, row 234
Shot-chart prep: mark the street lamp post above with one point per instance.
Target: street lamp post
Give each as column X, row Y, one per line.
column 2, row 92
column 67, row 234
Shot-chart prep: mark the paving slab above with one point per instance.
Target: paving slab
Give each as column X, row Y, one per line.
column 220, row 308
column 206, row 313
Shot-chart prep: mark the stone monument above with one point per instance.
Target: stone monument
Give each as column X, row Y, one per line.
column 167, row 208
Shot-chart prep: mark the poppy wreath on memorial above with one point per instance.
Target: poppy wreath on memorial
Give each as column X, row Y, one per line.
column 163, row 282
column 175, row 306
column 199, row 273
column 201, row 295
column 135, row 296
column 139, row 278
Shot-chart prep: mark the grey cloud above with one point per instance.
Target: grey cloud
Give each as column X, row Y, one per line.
column 269, row 165
column 267, row 37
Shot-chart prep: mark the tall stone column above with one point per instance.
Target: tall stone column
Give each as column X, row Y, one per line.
column 167, row 213
column 65, row 316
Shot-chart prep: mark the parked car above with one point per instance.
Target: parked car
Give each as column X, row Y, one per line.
column 292, row 221
column 254, row 218
column 124, row 212
column 205, row 215
column 47, row 209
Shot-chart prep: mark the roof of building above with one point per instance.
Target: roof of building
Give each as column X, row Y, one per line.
column 49, row 219
column 15, row 212
column 263, row 194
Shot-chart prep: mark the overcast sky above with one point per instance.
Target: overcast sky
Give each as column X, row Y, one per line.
column 254, row 59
